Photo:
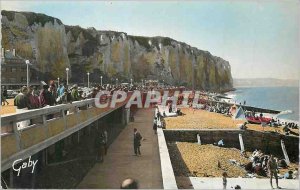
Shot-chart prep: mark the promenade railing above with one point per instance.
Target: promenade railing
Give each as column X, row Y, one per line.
column 46, row 126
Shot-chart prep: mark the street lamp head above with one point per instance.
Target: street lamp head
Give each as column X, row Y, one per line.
column 101, row 77
column 67, row 69
column 27, row 62
column 58, row 78
column 88, row 73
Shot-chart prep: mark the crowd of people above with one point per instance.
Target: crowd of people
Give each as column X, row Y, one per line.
column 263, row 164
column 218, row 108
column 48, row 95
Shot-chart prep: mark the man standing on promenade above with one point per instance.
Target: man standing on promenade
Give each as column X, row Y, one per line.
column 137, row 142
column 272, row 167
column 105, row 140
column 100, row 146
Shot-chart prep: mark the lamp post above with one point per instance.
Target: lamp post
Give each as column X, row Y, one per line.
column 193, row 77
column 27, row 64
column 101, row 80
column 58, row 82
column 67, row 70
column 131, row 81
column 88, row 74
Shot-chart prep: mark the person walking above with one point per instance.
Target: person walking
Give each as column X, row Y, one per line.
column 105, row 141
column 272, row 168
column 100, row 146
column 155, row 126
column 4, row 97
column 224, row 180
column 137, row 142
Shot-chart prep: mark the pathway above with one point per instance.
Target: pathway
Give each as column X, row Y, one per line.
column 120, row 162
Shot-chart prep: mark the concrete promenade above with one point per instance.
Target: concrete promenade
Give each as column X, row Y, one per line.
column 120, row 162
column 245, row 183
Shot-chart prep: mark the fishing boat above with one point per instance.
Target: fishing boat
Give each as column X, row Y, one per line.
column 258, row 120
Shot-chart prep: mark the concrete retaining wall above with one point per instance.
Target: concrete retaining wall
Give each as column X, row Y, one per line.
column 168, row 176
column 267, row 142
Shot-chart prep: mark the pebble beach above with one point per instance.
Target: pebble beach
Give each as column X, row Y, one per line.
column 192, row 159
column 202, row 119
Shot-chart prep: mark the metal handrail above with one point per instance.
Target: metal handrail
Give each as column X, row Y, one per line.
column 16, row 117
column 7, row 121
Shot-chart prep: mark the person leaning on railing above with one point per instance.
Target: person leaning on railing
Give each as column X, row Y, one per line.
column 74, row 93
column 21, row 101
column 46, row 98
column 34, row 102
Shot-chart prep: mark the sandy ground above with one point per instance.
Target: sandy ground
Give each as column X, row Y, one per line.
column 7, row 109
column 202, row 160
column 201, row 119
column 191, row 159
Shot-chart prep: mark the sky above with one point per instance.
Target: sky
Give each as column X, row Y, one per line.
column 260, row 39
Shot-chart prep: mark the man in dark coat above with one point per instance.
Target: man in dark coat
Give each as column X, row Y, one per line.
column 137, row 142
column 21, row 100
column 100, row 146
column 46, row 97
column 4, row 97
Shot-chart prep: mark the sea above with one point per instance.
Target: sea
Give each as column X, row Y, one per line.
column 285, row 99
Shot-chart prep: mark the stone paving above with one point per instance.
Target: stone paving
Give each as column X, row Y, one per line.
column 120, row 162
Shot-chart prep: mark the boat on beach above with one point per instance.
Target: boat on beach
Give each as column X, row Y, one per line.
column 258, row 120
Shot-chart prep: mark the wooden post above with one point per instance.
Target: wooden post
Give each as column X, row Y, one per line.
column 198, row 139
column 241, row 143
